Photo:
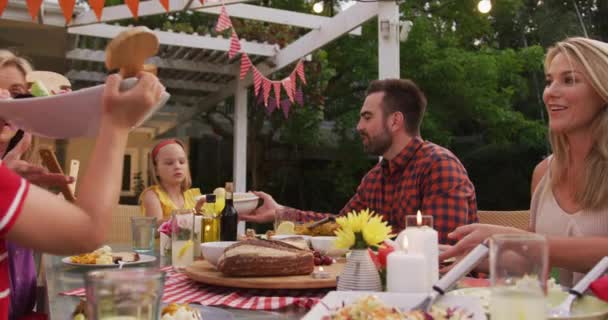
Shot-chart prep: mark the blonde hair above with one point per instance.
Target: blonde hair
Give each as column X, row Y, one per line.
column 592, row 192
column 186, row 184
column 7, row 58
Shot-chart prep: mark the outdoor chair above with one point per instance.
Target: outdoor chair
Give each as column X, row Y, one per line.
column 518, row 219
column 120, row 232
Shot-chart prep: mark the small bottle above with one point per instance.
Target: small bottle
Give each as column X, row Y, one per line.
column 211, row 222
column 229, row 218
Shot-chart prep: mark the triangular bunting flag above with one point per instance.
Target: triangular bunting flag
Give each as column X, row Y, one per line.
column 165, row 4
column 271, row 106
column 277, row 91
column 97, row 6
column 257, row 80
column 288, row 88
column 266, row 84
column 300, row 71
column 67, row 6
column 260, row 101
column 235, row 45
column 286, row 105
column 299, row 97
column 245, row 66
column 133, row 7
column 33, row 6
column 3, row 4
column 223, row 22
column 293, row 78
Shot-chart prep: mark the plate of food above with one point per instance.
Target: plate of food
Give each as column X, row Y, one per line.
column 104, row 257
column 172, row 311
column 360, row 305
column 585, row 308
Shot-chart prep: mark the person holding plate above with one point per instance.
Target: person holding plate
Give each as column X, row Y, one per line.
column 569, row 191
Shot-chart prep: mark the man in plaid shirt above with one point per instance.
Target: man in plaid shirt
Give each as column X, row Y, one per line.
column 413, row 175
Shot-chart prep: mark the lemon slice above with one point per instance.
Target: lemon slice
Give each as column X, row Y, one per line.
column 183, row 249
column 80, row 316
column 286, row 227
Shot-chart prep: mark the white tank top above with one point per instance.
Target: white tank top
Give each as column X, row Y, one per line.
column 548, row 218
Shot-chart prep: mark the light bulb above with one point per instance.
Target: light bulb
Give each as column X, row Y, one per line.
column 318, row 7
column 484, row 6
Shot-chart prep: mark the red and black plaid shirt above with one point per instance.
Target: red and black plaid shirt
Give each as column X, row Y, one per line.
column 423, row 176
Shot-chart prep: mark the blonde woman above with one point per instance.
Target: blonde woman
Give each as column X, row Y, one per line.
column 172, row 182
column 569, row 190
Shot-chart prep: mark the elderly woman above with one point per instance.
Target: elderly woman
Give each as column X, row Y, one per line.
column 569, row 191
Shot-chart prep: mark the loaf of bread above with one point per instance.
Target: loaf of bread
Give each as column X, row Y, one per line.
column 259, row 258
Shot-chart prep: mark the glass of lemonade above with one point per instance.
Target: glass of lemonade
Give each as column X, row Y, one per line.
column 182, row 238
column 125, row 294
column 519, row 266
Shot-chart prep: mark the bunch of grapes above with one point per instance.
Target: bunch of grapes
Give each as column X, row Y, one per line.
column 321, row 260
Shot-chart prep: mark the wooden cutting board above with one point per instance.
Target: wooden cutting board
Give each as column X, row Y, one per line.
column 203, row 271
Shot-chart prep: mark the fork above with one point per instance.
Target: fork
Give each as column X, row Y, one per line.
column 563, row 309
column 449, row 279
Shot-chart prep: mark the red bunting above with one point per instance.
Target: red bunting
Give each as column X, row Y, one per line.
column 277, row 91
column 300, row 71
column 165, row 4
column 287, row 84
column 97, row 6
column 300, row 97
column 245, row 66
column 285, row 105
column 33, row 6
column 272, row 105
column 293, row 78
column 257, row 80
column 223, row 22
column 133, row 7
column 266, row 86
column 3, row 4
column 67, row 6
column 235, row 45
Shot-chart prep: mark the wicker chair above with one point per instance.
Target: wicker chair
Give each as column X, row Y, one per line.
column 518, row 219
column 120, row 232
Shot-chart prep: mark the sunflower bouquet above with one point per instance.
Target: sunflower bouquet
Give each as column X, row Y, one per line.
column 361, row 230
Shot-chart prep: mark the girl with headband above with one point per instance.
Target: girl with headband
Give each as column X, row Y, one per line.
column 171, row 175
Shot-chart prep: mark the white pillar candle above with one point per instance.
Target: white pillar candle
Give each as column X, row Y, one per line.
column 423, row 239
column 406, row 272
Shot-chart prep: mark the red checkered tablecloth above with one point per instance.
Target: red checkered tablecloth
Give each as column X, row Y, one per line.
column 181, row 289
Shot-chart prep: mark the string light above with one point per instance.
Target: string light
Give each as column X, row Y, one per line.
column 484, row 6
column 318, row 7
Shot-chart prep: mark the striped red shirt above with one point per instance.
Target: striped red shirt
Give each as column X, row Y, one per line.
column 423, row 176
column 13, row 190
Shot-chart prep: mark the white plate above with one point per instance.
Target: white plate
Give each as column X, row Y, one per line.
column 69, row 115
column 335, row 299
column 143, row 258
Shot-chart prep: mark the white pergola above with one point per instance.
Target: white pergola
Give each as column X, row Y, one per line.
column 195, row 68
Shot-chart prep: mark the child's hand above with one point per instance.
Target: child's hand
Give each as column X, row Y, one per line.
column 125, row 109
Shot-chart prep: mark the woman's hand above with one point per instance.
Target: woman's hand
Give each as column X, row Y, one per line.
column 125, row 109
column 470, row 236
column 265, row 213
column 200, row 203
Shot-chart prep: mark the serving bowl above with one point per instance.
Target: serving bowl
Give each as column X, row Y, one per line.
column 327, row 246
column 212, row 251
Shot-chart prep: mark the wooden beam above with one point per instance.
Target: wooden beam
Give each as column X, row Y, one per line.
column 175, row 64
column 179, row 39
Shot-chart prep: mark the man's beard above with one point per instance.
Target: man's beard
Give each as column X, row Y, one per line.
column 378, row 145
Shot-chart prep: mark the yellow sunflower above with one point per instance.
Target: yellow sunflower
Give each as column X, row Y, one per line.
column 361, row 230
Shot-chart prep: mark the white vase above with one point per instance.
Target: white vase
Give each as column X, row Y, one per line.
column 360, row 273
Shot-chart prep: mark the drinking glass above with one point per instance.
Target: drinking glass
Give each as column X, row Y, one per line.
column 182, row 235
column 519, row 265
column 125, row 294
column 142, row 233
column 287, row 215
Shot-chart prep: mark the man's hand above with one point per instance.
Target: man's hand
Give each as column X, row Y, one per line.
column 265, row 213
column 35, row 174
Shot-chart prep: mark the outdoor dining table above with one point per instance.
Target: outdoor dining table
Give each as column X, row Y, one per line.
column 61, row 277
